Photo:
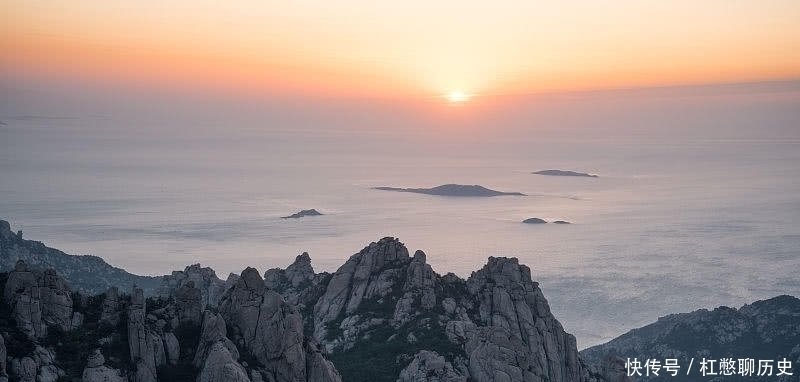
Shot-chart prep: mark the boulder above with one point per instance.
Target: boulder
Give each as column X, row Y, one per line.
column 428, row 366
column 97, row 371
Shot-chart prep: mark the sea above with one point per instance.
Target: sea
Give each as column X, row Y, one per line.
column 696, row 203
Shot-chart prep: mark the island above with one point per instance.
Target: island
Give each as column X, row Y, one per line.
column 534, row 221
column 564, row 173
column 460, row 190
column 311, row 212
column 561, row 222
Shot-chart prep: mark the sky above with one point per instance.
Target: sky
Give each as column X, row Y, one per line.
column 412, row 50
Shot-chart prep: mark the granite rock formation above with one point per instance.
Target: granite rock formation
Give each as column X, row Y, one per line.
column 38, row 300
column 203, row 278
column 767, row 329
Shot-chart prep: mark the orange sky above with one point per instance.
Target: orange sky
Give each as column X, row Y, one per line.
column 402, row 49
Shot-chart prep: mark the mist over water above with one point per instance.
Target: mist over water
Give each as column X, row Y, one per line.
column 696, row 204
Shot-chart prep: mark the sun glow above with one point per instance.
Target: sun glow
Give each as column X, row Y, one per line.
column 458, row 96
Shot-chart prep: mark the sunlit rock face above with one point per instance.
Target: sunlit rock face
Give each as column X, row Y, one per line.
column 271, row 331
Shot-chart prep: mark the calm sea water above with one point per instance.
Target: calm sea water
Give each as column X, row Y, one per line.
column 699, row 211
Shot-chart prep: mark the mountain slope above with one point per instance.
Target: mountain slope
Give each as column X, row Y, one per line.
column 88, row 274
column 764, row 330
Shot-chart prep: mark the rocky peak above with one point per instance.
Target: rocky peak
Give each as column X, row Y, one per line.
column 203, row 278
column 145, row 345
column 271, row 331
column 5, row 230
column 513, row 310
column 372, row 274
column 38, row 299
column 300, row 271
column 188, row 303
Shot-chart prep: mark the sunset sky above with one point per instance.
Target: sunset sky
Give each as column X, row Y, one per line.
column 410, row 48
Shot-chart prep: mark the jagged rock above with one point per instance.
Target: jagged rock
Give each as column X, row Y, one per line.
column 144, row 372
column 460, row 332
column 111, row 307
column 213, row 331
column 38, row 366
column 419, row 285
column 428, row 366
column 172, row 348
column 188, row 303
column 97, row 371
column 56, row 301
column 203, row 278
column 369, row 274
column 495, row 354
column 297, row 284
column 96, row 359
column 77, row 320
column 22, row 294
column 220, row 365
column 146, row 346
column 508, row 299
column 297, row 274
column 318, row 368
column 270, row 329
column 25, row 369
column 38, row 299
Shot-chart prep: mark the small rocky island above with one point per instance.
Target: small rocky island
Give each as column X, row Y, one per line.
column 564, row 173
column 534, row 221
column 454, row 190
column 542, row 221
column 303, row 213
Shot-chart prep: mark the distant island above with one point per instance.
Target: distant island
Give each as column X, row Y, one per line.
column 542, row 221
column 534, row 221
column 453, row 190
column 311, row 212
column 564, row 173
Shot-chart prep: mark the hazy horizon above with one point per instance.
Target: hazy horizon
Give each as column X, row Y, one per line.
column 697, row 191
column 158, row 135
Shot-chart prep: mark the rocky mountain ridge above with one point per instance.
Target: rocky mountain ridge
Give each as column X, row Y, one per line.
column 86, row 273
column 384, row 315
column 764, row 330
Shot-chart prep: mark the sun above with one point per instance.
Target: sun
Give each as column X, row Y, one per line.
column 458, row 96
